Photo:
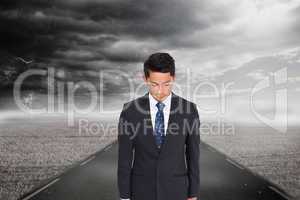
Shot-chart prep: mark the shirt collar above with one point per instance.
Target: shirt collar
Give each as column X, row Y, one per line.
column 166, row 101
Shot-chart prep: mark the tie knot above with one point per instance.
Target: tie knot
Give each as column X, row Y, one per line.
column 160, row 106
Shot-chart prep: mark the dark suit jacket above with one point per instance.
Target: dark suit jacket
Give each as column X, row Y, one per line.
column 146, row 172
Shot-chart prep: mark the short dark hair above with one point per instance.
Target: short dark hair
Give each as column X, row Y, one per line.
column 159, row 62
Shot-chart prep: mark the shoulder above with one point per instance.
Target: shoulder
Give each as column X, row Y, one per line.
column 134, row 104
column 137, row 101
column 190, row 111
column 187, row 105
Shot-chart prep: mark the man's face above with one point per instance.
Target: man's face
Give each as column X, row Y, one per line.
column 160, row 84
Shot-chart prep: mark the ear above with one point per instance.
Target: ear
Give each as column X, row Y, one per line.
column 174, row 77
column 145, row 79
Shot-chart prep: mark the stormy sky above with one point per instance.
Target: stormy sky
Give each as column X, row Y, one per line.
column 218, row 42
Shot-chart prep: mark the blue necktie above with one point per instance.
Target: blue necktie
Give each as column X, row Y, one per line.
column 159, row 124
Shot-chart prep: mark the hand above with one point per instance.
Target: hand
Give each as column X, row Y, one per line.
column 193, row 198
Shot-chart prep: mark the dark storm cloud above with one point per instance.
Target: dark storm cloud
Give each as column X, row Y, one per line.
column 140, row 19
column 40, row 28
column 74, row 35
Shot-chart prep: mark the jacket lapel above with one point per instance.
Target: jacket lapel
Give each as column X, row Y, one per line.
column 172, row 119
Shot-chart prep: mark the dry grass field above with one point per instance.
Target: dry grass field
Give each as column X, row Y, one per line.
column 273, row 155
column 36, row 149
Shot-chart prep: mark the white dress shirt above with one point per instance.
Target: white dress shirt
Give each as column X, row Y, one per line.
column 154, row 109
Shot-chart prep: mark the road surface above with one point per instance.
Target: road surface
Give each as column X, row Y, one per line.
column 95, row 179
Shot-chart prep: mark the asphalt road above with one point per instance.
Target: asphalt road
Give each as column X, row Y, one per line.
column 95, row 179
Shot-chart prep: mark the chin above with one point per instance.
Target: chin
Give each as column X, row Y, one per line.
column 161, row 97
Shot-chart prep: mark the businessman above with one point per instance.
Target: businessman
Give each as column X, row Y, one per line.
column 158, row 140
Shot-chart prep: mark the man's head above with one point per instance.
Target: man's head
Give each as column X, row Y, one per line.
column 159, row 74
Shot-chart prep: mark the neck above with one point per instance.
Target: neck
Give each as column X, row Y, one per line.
column 161, row 100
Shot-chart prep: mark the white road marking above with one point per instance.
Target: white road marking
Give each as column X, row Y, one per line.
column 39, row 190
column 277, row 191
column 108, row 147
column 57, row 179
column 234, row 163
column 211, row 149
column 88, row 160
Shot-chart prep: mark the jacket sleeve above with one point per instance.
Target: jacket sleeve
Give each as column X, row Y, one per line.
column 193, row 154
column 125, row 155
